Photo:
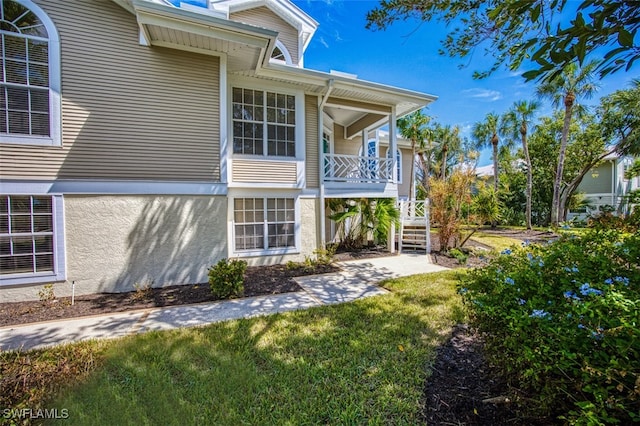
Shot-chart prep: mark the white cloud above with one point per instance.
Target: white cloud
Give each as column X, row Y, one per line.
column 483, row 94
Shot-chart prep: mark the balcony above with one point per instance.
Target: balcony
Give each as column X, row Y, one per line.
column 352, row 175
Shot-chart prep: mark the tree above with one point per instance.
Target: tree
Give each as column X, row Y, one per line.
column 357, row 219
column 513, row 186
column 450, row 143
column 619, row 114
column 516, row 123
column 586, row 148
column 485, row 134
column 413, row 127
column 535, row 32
column 449, row 197
column 586, row 151
column 566, row 88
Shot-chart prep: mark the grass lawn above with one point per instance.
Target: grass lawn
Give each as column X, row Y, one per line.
column 497, row 242
column 361, row 362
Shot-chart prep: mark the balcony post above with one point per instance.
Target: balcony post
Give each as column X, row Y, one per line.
column 393, row 145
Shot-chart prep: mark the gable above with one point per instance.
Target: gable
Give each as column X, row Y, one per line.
column 263, row 17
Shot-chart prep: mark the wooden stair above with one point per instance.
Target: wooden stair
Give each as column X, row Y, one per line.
column 414, row 226
column 414, row 237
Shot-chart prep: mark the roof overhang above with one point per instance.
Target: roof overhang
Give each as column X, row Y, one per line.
column 355, row 104
column 246, row 47
column 288, row 11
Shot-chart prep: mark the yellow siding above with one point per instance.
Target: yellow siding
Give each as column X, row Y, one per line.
column 403, row 188
column 345, row 146
column 312, row 142
column 128, row 111
column 259, row 171
column 265, row 18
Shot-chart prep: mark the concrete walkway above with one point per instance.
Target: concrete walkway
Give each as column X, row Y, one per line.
column 358, row 279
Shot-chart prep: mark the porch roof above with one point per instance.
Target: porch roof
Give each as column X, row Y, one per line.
column 351, row 102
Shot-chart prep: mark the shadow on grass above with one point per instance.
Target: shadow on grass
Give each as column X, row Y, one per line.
column 343, row 364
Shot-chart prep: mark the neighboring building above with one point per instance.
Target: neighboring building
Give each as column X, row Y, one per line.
column 141, row 142
column 606, row 186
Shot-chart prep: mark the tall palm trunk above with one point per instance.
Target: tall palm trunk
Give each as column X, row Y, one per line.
column 496, row 178
column 527, row 158
column 444, row 162
column 569, row 99
column 412, row 177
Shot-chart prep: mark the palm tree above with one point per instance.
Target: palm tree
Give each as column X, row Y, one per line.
column 516, row 123
column 413, row 127
column 485, row 134
column 573, row 83
column 450, row 141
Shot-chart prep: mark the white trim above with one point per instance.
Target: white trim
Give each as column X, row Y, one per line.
column 59, row 256
column 225, row 152
column 121, row 187
column 300, row 137
column 55, row 86
column 231, row 236
column 285, row 52
column 274, row 185
column 398, row 165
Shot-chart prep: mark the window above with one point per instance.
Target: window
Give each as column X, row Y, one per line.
column 29, row 81
column 30, row 237
column 264, row 123
column 264, row 223
column 281, row 54
column 398, row 163
column 277, row 54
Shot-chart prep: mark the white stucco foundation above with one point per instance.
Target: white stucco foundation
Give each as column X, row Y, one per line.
column 116, row 242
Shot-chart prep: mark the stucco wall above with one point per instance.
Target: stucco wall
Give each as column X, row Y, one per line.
column 114, row 242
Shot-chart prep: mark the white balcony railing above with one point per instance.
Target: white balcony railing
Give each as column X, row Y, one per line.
column 353, row 168
column 414, row 211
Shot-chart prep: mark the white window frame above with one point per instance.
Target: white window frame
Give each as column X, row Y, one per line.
column 398, row 165
column 265, row 251
column 285, row 53
column 265, row 124
column 55, row 108
column 59, row 272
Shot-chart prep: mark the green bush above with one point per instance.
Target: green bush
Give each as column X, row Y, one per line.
column 460, row 256
column 562, row 323
column 226, row 278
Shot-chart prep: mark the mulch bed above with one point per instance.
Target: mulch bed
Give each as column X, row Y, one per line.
column 464, row 389
column 259, row 281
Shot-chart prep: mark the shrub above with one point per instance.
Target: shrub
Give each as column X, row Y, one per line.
column 460, row 256
column 562, row 323
column 46, row 294
column 226, row 278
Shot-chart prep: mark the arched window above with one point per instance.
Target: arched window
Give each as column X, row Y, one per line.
column 399, row 163
column 281, row 54
column 30, row 81
column 372, row 149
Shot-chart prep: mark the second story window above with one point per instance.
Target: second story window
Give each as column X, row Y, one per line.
column 29, row 98
column 264, row 123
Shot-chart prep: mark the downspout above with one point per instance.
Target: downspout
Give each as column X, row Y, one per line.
column 321, row 103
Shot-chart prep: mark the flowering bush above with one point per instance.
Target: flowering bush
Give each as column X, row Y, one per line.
column 563, row 323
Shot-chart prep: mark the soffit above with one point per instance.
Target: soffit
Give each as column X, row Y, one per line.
column 244, row 45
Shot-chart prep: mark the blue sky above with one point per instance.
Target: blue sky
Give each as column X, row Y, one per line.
column 406, row 55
